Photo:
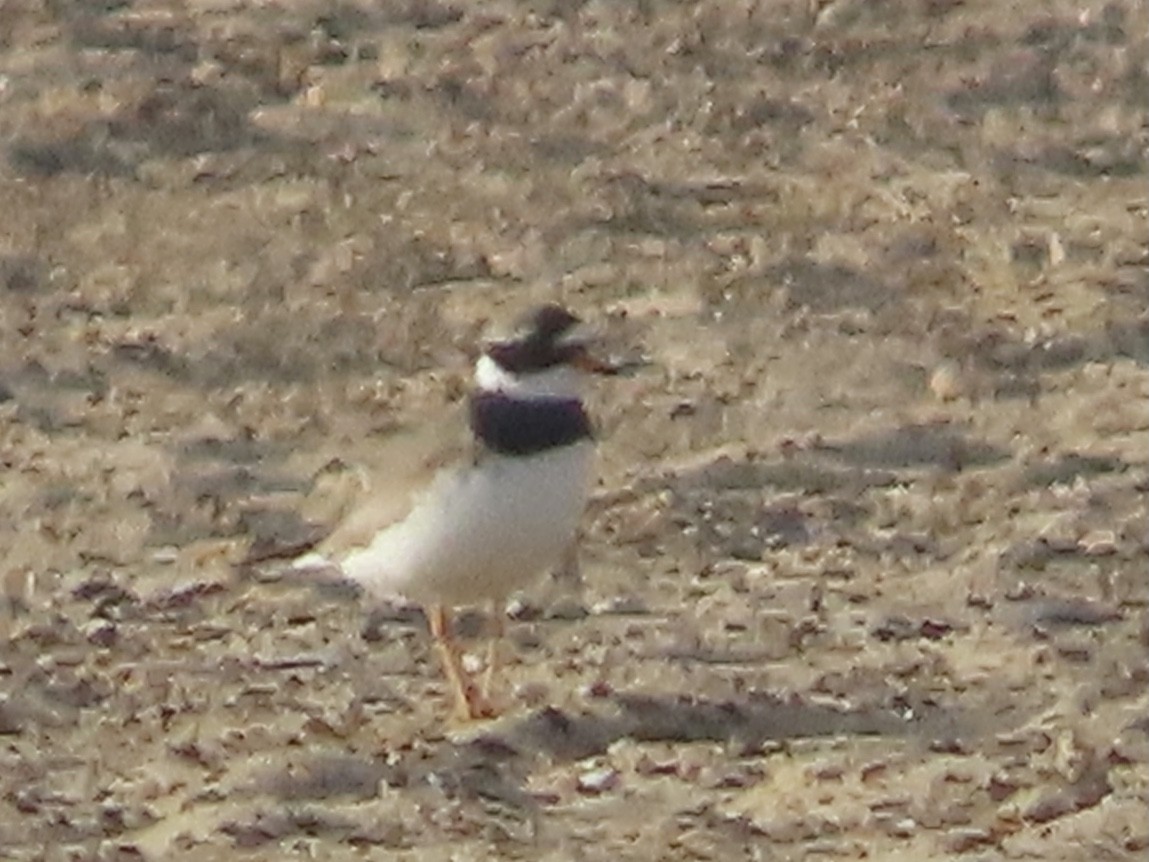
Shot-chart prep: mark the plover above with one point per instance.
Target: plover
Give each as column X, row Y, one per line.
column 473, row 518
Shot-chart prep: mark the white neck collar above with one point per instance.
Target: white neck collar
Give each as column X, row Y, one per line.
column 562, row 381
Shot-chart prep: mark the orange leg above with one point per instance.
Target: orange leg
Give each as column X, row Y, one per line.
column 469, row 702
column 498, row 630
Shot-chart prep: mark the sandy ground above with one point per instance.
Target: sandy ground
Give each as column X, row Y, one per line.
column 865, row 573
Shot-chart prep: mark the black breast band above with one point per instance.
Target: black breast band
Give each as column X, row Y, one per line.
column 527, row 426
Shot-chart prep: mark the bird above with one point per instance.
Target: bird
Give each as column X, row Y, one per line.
column 476, row 508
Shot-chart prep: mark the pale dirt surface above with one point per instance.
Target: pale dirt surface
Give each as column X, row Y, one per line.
column 865, row 576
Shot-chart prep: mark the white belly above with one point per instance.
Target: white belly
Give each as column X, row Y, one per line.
column 480, row 533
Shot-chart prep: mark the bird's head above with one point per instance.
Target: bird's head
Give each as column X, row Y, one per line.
column 548, row 356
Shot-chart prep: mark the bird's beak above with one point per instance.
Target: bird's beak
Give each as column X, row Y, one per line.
column 589, row 350
column 585, row 360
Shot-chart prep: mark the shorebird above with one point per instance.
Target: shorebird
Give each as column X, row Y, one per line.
column 477, row 508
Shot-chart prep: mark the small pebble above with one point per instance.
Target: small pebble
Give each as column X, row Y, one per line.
column 100, row 633
column 598, row 689
column 946, row 383
column 904, row 828
column 621, row 606
column 1098, row 543
column 520, row 610
column 597, row 781
column 166, row 555
column 567, row 609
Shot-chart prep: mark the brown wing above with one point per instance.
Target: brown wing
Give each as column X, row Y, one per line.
column 372, row 497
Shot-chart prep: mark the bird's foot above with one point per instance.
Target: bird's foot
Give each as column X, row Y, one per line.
column 474, row 705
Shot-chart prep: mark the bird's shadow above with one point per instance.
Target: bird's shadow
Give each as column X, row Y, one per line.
column 493, row 762
column 746, row 724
